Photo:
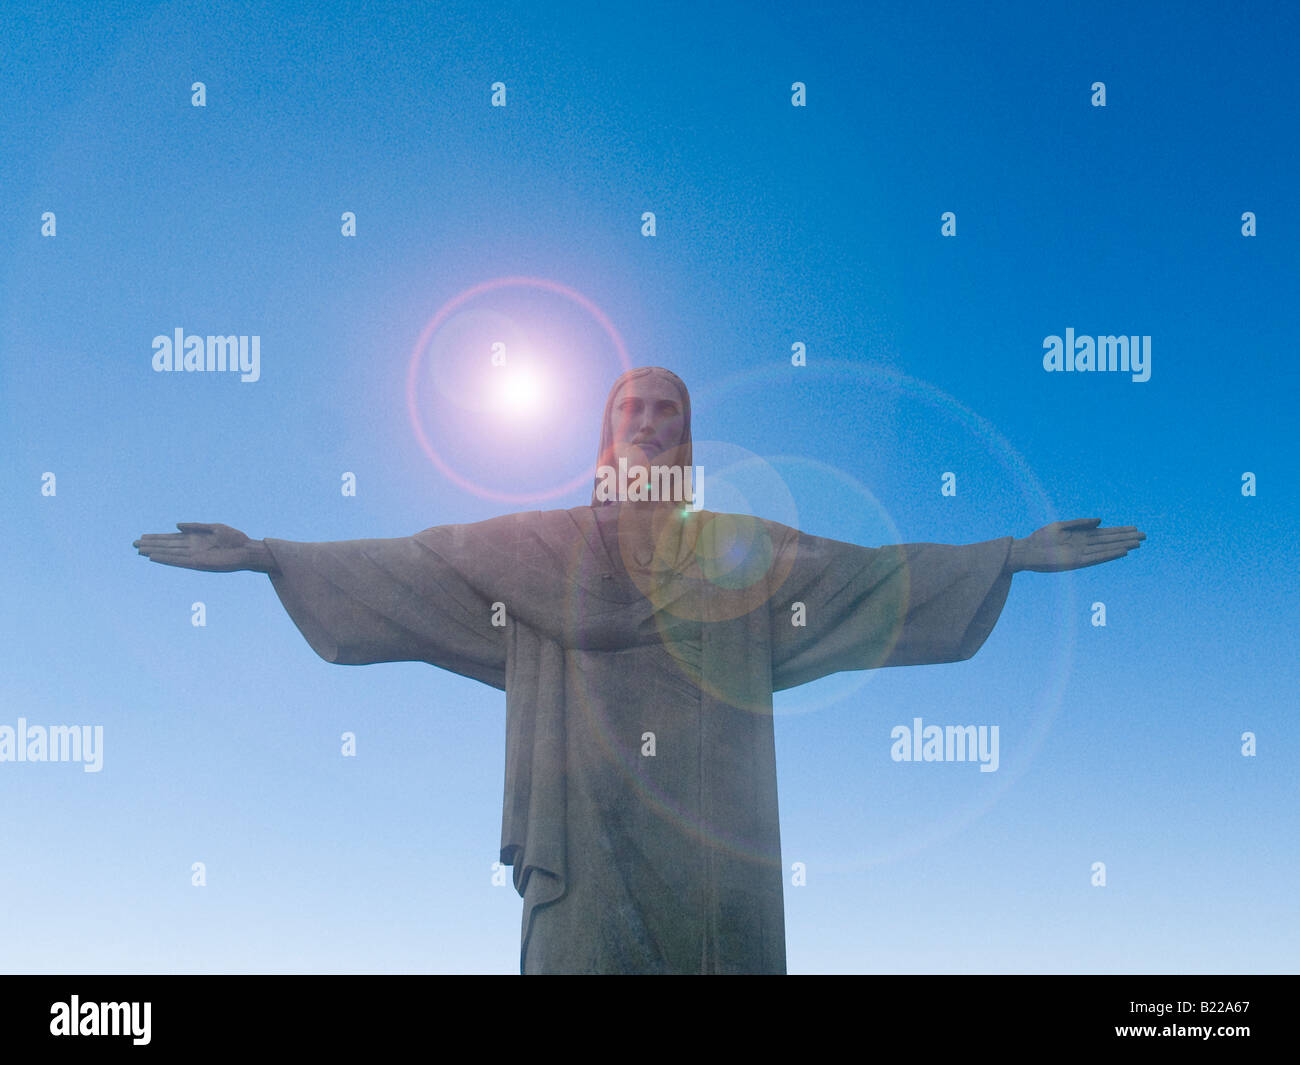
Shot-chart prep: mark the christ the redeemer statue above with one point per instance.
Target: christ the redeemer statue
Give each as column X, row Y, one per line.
column 639, row 644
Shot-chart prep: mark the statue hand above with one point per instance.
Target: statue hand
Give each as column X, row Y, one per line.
column 215, row 548
column 1073, row 545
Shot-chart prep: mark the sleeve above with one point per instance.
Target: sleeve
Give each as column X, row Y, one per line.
column 363, row 601
column 863, row 608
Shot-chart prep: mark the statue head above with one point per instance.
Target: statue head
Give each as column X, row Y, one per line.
column 647, row 419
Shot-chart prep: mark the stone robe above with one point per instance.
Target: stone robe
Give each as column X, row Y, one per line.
column 639, row 652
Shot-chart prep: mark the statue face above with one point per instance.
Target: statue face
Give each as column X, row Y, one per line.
column 647, row 412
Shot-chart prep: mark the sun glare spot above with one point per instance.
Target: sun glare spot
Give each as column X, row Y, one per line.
column 518, row 390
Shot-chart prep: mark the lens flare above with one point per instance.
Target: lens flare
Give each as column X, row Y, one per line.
column 521, row 397
column 882, row 383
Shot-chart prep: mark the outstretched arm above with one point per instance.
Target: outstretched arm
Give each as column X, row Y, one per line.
column 216, row 548
column 1074, row 544
column 361, row 601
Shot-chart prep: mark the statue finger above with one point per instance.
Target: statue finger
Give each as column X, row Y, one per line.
column 1097, row 560
column 167, row 553
column 1091, row 558
column 1115, row 545
column 1098, row 537
column 171, row 560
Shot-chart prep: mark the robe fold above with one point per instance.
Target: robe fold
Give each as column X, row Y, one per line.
column 639, row 648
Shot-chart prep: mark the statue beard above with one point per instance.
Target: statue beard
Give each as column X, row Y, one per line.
column 636, row 455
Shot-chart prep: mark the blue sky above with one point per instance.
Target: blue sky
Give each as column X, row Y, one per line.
column 774, row 224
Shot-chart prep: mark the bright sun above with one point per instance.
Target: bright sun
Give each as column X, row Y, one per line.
column 518, row 390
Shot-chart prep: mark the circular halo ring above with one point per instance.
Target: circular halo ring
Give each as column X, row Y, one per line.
column 435, row 323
